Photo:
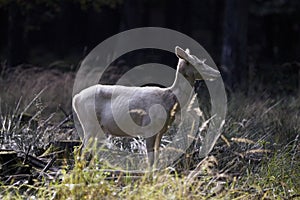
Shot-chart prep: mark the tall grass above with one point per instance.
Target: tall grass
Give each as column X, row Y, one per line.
column 27, row 81
column 257, row 156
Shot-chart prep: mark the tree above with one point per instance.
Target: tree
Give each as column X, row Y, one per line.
column 234, row 50
column 16, row 35
column 25, row 17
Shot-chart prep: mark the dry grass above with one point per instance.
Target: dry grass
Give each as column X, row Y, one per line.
column 257, row 156
column 25, row 82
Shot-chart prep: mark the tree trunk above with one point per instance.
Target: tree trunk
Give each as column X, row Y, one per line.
column 234, row 51
column 16, row 35
column 133, row 15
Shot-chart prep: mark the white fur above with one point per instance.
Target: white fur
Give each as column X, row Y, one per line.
column 139, row 111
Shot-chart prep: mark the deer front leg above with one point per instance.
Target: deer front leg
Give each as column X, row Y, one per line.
column 153, row 145
column 157, row 145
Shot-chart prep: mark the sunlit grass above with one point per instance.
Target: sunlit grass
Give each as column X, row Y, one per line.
column 257, row 157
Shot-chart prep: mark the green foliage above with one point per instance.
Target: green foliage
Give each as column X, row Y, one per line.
column 97, row 4
column 39, row 12
column 267, row 7
column 56, row 4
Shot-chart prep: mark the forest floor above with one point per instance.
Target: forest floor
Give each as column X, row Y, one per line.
column 256, row 157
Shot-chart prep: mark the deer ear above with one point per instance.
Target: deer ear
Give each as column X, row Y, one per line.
column 180, row 53
column 203, row 60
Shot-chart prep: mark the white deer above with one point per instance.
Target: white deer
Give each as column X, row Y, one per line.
column 125, row 111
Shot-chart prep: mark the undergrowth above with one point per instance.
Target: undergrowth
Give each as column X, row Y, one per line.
column 256, row 157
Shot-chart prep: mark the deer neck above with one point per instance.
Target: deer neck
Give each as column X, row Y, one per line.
column 182, row 88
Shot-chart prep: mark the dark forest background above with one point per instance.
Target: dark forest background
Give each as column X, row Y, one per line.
column 256, row 44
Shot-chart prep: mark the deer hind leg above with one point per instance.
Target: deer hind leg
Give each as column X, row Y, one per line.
column 85, row 111
column 150, row 142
